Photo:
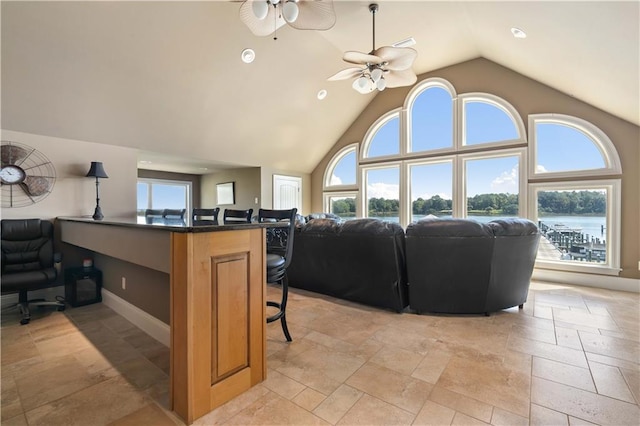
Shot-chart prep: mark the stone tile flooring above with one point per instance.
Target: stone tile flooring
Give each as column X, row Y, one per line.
column 572, row 356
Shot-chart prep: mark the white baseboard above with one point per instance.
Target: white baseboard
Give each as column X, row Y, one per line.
column 144, row 321
column 587, row 280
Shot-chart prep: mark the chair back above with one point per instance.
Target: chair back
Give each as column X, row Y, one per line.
column 27, row 253
column 280, row 240
column 153, row 213
column 174, row 214
column 237, row 216
column 205, row 214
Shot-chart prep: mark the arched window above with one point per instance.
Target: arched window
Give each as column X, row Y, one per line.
column 488, row 119
column 383, row 138
column 430, row 115
column 469, row 155
column 342, row 168
column 565, row 146
column 579, row 218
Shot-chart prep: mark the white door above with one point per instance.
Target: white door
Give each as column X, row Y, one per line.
column 287, row 192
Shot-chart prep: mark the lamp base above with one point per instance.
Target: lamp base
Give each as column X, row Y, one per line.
column 97, row 214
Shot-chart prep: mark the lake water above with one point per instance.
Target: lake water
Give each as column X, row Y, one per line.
column 591, row 225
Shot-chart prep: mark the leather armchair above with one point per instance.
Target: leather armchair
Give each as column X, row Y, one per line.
column 28, row 261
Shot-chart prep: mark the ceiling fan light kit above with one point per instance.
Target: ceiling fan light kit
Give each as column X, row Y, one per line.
column 387, row 66
column 264, row 17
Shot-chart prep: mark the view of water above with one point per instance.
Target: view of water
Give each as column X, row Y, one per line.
column 591, row 225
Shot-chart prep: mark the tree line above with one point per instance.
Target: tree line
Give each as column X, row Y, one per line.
column 567, row 203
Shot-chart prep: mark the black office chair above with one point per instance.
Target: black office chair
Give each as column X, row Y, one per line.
column 237, row 216
column 279, row 253
column 28, row 261
column 174, row 214
column 205, row 216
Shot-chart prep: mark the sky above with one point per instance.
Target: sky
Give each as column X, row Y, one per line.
column 432, row 128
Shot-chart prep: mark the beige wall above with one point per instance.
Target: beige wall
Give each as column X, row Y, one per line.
column 74, row 194
column 246, row 186
column 528, row 97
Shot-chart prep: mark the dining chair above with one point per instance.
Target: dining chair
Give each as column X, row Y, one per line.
column 237, row 216
column 279, row 253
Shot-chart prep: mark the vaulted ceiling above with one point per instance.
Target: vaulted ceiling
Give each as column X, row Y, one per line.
column 166, row 78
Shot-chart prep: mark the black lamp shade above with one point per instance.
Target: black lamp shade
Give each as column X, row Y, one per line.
column 97, row 170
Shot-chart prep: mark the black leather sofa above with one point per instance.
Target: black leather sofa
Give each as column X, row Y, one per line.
column 361, row 260
column 464, row 267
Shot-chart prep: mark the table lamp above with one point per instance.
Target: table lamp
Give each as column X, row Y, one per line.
column 97, row 171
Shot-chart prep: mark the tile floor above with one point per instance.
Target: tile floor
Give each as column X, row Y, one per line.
column 571, row 357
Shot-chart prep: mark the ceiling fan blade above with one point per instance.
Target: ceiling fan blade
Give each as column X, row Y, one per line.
column 315, row 15
column 400, row 78
column 260, row 27
column 346, row 74
column 361, row 58
column 397, row 58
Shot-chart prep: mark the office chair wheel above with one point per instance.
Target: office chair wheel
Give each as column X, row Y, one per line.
column 61, row 308
column 24, row 321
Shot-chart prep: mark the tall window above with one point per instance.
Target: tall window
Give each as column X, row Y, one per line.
column 163, row 194
column 431, row 188
column 492, row 186
column 578, row 218
column 469, row 155
column 382, row 192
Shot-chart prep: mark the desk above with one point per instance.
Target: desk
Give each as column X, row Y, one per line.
column 218, row 301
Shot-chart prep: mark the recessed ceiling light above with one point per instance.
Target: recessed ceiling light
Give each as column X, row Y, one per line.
column 248, row 55
column 518, row 33
column 322, row 94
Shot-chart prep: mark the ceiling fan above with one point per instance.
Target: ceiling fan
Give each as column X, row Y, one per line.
column 387, row 66
column 264, row 17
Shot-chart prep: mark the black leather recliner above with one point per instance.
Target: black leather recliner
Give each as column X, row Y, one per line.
column 28, row 261
column 361, row 260
column 461, row 266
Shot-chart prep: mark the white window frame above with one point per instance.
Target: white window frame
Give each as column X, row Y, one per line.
column 150, row 182
column 613, row 187
column 597, row 136
column 369, row 136
column 497, row 102
column 461, row 189
column 328, row 173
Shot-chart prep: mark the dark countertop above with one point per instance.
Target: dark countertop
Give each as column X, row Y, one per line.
column 172, row 225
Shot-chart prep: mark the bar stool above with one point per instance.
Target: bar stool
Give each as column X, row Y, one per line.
column 205, row 216
column 237, row 216
column 279, row 252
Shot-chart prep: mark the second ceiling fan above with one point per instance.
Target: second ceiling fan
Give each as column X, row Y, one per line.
column 387, row 66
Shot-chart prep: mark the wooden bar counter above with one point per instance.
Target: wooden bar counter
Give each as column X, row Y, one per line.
column 217, row 302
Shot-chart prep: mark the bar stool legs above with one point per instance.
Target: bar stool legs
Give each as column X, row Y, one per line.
column 282, row 306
